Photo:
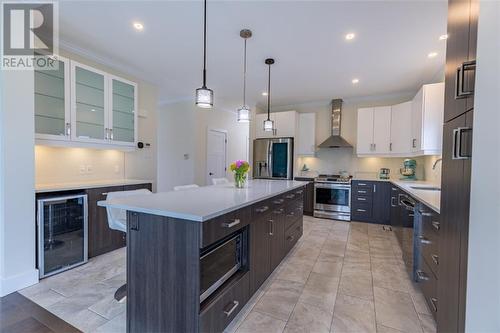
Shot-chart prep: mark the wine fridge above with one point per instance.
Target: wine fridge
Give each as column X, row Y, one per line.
column 62, row 227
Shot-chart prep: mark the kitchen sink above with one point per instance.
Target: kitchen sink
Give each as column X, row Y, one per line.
column 426, row 188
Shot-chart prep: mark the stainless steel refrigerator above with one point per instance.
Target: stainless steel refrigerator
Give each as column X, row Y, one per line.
column 273, row 158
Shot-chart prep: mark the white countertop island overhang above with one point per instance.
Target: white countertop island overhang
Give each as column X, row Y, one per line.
column 206, row 202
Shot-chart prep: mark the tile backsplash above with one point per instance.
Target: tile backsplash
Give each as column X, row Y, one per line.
column 59, row 165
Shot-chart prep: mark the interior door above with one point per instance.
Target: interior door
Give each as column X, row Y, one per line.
column 216, row 154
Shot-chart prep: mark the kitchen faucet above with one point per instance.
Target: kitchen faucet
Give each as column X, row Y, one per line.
column 436, row 162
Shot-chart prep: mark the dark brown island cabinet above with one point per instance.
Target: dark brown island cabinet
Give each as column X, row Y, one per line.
column 102, row 239
column 167, row 263
column 308, row 195
column 456, row 168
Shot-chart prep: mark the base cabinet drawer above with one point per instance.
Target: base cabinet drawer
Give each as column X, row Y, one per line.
column 428, row 285
column 221, row 226
column 221, row 311
column 292, row 235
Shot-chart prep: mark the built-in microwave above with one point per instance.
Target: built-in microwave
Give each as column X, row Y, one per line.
column 222, row 260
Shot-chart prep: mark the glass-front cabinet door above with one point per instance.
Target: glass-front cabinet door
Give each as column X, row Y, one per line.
column 52, row 102
column 89, row 112
column 123, row 115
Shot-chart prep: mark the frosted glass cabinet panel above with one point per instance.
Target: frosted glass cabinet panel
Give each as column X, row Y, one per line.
column 89, row 103
column 123, row 115
column 52, row 102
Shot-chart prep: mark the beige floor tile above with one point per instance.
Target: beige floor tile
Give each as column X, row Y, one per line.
column 334, row 247
column 328, row 264
column 385, row 329
column 42, row 296
column 108, row 307
column 355, row 282
column 418, row 299
column 390, row 277
column 85, row 320
column 241, row 316
column 353, row 314
column 259, row 322
column 280, row 299
column 296, row 269
column 309, row 318
column 428, row 323
column 116, row 325
column 320, row 290
column 395, row 309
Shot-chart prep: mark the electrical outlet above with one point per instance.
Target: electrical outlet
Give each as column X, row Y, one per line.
column 89, row 169
column 83, row 169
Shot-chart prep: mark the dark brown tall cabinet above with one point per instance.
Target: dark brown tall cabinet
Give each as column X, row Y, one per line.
column 456, row 171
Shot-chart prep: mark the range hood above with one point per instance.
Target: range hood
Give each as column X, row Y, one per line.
column 335, row 140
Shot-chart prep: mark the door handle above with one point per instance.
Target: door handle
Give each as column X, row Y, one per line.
column 457, row 143
column 460, row 79
column 271, row 226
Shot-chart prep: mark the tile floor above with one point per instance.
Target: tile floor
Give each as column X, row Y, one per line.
column 340, row 277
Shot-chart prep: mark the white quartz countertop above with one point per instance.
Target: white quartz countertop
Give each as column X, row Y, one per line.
column 66, row 186
column 432, row 199
column 203, row 203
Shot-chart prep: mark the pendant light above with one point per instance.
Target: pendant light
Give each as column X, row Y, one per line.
column 204, row 96
column 244, row 111
column 268, row 123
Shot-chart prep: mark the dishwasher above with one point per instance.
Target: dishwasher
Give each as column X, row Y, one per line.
column 62, row 232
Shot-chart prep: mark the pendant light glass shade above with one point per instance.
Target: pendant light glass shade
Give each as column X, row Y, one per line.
column 244, row 114
column 268, row 125
column 244, row 111
column 204, row 98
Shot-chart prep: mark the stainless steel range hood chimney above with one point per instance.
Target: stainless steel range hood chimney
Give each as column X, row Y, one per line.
column 335, row 140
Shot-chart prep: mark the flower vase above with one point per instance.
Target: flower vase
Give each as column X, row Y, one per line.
column 239, row 180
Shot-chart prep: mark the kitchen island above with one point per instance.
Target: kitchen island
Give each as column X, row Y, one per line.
column 195, row 257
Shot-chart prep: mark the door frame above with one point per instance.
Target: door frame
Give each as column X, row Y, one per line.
column 209, row 129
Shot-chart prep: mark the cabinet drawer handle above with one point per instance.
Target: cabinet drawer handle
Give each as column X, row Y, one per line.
column 361, row 199
column 425, row 213
column 290, row 238
column 278, row 201
column 361, row 184
column 433, row 303
column 290, row 196
column 361, row 210
column 422, row 276
column 457, row 144
column 292, row 213
column 271, row 227
column 278, row 211
column 460, row 80
column 435, row 258
column 298, row 192
column 262, row 209
column 233, row 306
column 436, row 225
column 361, row 191
column 104, row 193
column 232, row 224
column 394, row 199
column 424, row 240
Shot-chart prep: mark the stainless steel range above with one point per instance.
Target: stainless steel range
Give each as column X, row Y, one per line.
column 332, row 197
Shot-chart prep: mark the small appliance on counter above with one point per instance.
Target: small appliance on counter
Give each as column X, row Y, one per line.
column 384, row 173
column 408, row 170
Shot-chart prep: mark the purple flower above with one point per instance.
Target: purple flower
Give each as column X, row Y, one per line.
column 239, row 163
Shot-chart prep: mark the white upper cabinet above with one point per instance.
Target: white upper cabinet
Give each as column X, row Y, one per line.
column 381, row 130
column 78, row 105
column 427, row 120
column 401, row 128
column 52, row 102
column 365, row 131
column 306, row 135
column 285, row 124
column 408, row 129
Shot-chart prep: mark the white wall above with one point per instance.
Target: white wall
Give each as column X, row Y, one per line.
column 333, row 160
column 483, row 271
column 183, row 130
column 17, row 196
column 63, row 164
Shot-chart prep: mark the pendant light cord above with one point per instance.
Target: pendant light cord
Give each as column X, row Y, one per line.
column 269, row 93
column 245, row 74
column 205, row 44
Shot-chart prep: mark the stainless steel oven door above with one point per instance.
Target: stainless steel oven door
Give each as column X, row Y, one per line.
column 332, row 197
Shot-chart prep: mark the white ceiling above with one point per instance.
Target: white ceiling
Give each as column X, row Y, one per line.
column 313, row 60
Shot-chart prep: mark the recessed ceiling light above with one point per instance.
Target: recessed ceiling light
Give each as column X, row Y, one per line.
column 350, row 36
column 443, row 37
column 138, row 26
column 264, row 93
column 432, row 55
column 355, row 81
